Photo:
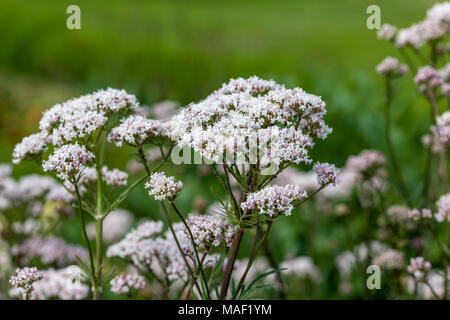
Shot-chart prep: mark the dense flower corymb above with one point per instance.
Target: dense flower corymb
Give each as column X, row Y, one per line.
column 274, row 200
column 162, row 187
column 210, row 230
column 260, row 111
column 69, row 161
column 326, row 173
column 29, row 147
column 136, row 130
column 23, row 281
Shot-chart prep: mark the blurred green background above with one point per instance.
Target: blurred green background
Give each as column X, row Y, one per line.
column 182, row 50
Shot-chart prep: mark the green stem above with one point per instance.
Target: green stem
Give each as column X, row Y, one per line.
column 85, row 236
column 250, row 262
column 387, row 130
column 188, row 266
column 202, row 273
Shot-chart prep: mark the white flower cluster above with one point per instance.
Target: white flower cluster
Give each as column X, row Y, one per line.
column 30, row 191
column 443, row 206
column 435, row 26
column 113, row 178
column 23, row 282
column 127, row 246
column 387, row 32
column 162, row 187
column 210, row 231
column 439, row 138
column 29, row 148
column 63, row 284
column 415, row 214
column 419, row 267
column 49, row 251
column 74, row 120
column 148, row 251
column 123, row 283
column 252, row 114
column 274, row 200
column 136, row 130
column 366, row 161
column 326, row 173
column 68, row 161
column 301, row 267
column 115, row 225
column 389, row 259
column 428, row 78
column 391, row 67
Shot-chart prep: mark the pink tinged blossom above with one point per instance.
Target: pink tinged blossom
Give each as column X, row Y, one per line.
column 390, row 259
column 428, row 78
column 114, row 177
column 391, row 67
column 68, row 161
column 162, row 187
column 136, row 130
column 49, row 250
column 210, row 231
column 326, row 173
column 445, row 89
column 419, row 267
column 387, row 32
column 23, row 281
column 368, row 166
column 63, row 284
column 30, row 147
column 414, row 214
column 124, row 283
column 252, row 110
column 439, row 12
column 77, row 118
column 443, row 207
column 274, row 200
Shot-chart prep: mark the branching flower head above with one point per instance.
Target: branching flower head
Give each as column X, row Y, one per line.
column 391, row 67
column 77, row 118
column 68, row 161
column 30, row 147
column 326, row 173
column 274, row 200
column 251, row 114
column 23, row 281
column 210, row 231
column 428, row 78
column 419, row 267
column 136, row 130
column 162, row 187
